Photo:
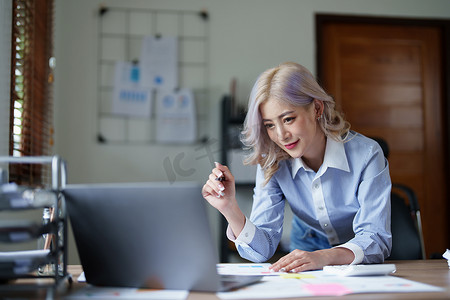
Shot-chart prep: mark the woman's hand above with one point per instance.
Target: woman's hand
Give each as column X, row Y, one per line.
column 298, row 260
column 221, row 194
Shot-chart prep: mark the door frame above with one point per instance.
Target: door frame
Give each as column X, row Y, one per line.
column 442, row 24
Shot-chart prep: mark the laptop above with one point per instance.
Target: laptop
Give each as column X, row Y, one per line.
column 146, row 235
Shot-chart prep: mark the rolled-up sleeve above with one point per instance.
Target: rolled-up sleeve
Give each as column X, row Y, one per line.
column 262, row 232
column 357, row 252
column 372, row 222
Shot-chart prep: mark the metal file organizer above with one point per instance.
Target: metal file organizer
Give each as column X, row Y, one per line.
column 25, row 264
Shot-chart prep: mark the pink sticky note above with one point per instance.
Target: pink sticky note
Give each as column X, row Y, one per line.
column 327, row 289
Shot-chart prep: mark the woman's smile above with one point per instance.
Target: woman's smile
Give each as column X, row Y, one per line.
column 291, row 145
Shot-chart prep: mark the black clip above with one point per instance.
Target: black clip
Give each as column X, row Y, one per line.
column 204, row 14
column 101, row 139
column 103, row 9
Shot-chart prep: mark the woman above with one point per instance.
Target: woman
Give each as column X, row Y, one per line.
column 336, row 181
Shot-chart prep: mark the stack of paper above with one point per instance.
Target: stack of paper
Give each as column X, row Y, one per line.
column 20, row 230
column 13, row 196
column 17, row 263
column 447, row 257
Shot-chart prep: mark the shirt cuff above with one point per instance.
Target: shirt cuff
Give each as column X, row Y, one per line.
column 357, row 251
column 246, row 235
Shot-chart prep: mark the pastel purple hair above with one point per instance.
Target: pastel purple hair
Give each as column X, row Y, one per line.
column 294, row 84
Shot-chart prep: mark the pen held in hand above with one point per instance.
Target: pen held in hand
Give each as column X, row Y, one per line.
column 221, row 178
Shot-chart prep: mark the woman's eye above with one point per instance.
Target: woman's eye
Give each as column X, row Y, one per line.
column 289, row 120
column 268, row 126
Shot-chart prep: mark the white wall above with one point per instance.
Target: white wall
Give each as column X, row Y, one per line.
column 247, row 37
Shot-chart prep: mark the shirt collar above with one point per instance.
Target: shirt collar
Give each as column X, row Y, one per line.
column 335, row 157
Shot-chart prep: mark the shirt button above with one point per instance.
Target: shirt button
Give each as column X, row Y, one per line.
column 325, row 225
column 321, row 207
column 246, row 234
column 316, row 186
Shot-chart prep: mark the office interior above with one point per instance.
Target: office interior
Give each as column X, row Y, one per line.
column 245, row 37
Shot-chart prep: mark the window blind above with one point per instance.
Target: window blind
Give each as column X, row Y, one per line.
column 31, row 126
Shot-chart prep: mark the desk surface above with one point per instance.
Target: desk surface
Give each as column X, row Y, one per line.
column 434, row 272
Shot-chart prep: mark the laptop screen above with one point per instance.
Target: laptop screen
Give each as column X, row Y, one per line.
column 153, row 235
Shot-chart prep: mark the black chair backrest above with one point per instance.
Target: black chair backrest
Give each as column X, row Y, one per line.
column 407, row 241
column 405, row 237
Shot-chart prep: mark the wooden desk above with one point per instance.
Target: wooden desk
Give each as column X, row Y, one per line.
column 434, row 272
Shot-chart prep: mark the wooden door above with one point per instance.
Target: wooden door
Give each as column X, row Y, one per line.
column 387, row 79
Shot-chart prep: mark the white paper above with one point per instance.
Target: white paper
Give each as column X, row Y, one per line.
column 268, row 288
column 175, row 116
column 159, row 62
column 446, row 255
column 316, row 283
column 82, row 277
column 108, row 293
column 247, row 269
column 129, row 96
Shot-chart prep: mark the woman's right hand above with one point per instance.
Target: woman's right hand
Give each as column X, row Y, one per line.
column 220, row 194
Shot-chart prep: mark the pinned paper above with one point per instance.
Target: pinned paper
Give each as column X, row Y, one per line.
column 175, row 117
column 159, row 62
column 129, row 97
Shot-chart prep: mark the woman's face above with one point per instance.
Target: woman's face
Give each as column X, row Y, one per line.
column 294, row 129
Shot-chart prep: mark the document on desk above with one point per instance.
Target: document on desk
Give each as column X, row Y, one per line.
column 93, row 292
column 109, row 293
column 316, row 283
column 446, row 255
column 247, row 269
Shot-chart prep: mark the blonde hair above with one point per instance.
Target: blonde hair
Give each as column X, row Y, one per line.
column 294, row 84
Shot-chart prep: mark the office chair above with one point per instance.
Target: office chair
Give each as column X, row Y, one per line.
column 406, row 224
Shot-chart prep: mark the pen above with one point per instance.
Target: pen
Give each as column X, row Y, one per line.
column 221, row 178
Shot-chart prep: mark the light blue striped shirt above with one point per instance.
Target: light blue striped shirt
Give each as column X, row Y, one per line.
column 347, row 200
